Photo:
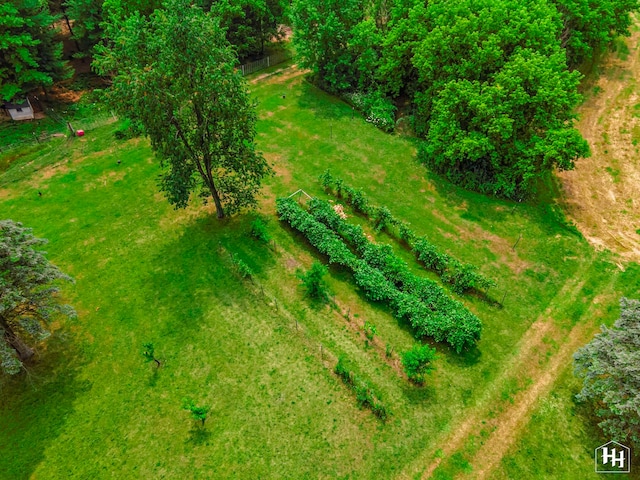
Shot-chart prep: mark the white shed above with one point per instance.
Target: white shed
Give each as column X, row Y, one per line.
column 20, row 111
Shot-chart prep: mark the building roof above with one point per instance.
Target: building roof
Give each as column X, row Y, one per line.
column 13, row 106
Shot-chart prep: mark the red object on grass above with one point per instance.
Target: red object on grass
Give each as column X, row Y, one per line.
column 80, row 133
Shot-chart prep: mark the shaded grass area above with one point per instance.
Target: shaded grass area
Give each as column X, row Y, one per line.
column 148, row 273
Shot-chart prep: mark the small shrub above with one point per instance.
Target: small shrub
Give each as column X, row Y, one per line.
column 383, row 218
column 148, row 353
column 326, row 179
column 405, row 232
column 259, row 231
column 314, row 283
column 129, row 129
column 417, row 362
column 241, row 267
column 198, row 413
column 369, row 330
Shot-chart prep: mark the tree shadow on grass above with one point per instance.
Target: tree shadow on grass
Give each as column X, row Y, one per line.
column 196, row 271
column 323, row 104
column 36, row 403
column 419, row 394
column 198, row 435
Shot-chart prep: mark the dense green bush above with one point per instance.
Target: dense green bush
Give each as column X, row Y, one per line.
column 376, row 107
column 386, row 277
column 417, row 362
column 462, row 277
column 259, row 230
column 314, row 283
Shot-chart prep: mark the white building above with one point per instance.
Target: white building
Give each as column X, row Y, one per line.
column 20, row 111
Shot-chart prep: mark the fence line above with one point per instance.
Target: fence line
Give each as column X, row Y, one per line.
column 265, row 62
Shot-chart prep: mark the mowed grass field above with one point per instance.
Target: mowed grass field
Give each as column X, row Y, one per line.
column 258, row 353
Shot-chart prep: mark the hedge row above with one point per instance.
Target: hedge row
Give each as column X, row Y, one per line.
column 425, row 310
column 449, row 319
column 364, row 394
column 461, row 276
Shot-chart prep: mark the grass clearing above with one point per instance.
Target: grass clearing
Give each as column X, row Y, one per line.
column 147, row 273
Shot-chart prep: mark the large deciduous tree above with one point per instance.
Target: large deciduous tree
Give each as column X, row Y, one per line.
column 610, row 368
column 27, row 294
column 30, row 56
column 174, row 73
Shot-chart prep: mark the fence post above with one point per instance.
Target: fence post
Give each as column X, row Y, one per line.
column 268, row 64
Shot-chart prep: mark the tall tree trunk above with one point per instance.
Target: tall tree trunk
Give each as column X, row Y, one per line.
column 213, row 189
column 22, row 349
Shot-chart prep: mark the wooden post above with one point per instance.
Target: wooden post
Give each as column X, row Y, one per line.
column 503, row 297
column 296, row 325
column 73, row 132
column 321, row 354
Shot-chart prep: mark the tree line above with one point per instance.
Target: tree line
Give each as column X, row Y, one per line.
column 31, row 48
column 492, row 84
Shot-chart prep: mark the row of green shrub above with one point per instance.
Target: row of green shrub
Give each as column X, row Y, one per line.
column 364, row 395
column 462, row 277
column 429, row 311
column 450, row 320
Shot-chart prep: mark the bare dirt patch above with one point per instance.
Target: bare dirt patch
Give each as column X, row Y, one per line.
column 601, row 194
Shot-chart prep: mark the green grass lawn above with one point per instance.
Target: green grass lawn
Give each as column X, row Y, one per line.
column 90, row 407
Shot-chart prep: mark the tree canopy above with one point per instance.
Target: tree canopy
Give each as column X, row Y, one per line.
column 30, row 55
column 28, row 291
column 490, row 82
column 174, row 73
column 610, row 368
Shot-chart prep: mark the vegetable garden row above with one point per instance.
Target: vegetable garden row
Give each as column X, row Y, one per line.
column 383, row 276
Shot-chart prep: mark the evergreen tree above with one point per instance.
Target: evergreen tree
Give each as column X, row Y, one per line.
column 610, row 368
column 27, row 294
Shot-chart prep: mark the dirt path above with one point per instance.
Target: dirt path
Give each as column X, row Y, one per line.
column 528, row 361
column 511, row 421
column 602, row 194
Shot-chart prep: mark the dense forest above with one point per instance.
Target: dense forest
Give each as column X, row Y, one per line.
column 492, row 85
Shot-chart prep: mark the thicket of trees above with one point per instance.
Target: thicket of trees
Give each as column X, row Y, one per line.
column 248, row 24
column 491, row 82
column 30, row 55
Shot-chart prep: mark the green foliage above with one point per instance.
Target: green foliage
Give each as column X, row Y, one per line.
column 259, row 231
column 383, row 277
column 382, row 218
column 28, row 294
column 369, row 330
column 241, row 267
column 364, row 395
column 462, row 277
column 314, row 283
column 609, row 367
column 129, row 129
column 488, row 82
column 248, row 24
column 87, row 25
column 417, row 362
column 322, row 38
column 377, row 108
column 31, row 57
column 198, row 413
column 588, row 26
column 174, row 73
column 148, row 353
